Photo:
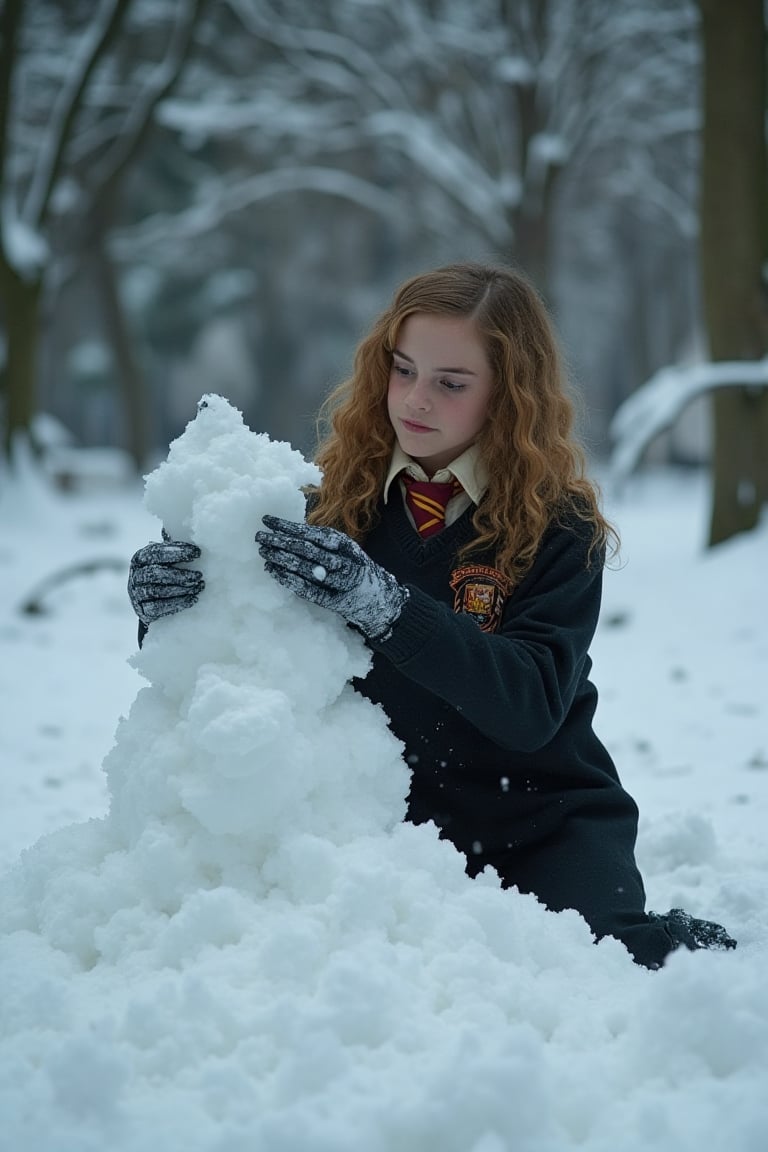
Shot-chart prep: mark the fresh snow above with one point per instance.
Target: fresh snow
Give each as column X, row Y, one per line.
column 241, row 946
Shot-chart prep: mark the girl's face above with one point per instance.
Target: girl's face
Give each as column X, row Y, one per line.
column 440, row 388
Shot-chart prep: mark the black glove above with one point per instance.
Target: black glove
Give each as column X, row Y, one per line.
column 692, row 933
column 156, row 587
column 329, row 569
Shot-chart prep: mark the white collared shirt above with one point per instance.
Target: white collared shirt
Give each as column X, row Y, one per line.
column 467, row 468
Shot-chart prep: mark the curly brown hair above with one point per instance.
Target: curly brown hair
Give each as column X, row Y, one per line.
column 536, row 467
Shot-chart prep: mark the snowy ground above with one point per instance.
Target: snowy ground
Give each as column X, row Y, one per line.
column 64, row 680
column 681, row 662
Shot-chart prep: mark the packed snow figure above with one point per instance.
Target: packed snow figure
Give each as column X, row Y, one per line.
column 250, row 732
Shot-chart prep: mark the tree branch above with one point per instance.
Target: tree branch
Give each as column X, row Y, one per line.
column 94, row 44
column 34, row 604
column 10, row 21
column 139, row 119
column 202, row 218
column 656, row 405
column 259, row 20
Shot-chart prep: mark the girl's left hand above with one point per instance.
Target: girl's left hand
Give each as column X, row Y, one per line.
column 328, row 568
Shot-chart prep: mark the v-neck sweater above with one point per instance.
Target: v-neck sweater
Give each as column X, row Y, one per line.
column 497, row 726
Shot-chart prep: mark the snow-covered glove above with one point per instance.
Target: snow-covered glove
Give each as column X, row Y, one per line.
column 329, row 569
column 156, row 587
column 692, row 933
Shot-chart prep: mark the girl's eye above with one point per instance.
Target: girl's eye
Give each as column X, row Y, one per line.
column 401, row 370
column 452, row 385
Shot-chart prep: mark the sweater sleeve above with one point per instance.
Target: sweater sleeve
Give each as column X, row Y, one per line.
column 515, row 686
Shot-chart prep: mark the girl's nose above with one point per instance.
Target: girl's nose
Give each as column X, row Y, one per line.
column 418, row 398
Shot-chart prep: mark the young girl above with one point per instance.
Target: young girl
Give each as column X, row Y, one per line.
column 456, row 530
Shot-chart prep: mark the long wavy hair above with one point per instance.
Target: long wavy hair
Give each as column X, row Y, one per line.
column 535, row 465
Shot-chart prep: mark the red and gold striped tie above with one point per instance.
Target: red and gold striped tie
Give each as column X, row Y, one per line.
column 428, row 502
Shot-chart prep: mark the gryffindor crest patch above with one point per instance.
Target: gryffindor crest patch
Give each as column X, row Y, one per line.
column 480, row 591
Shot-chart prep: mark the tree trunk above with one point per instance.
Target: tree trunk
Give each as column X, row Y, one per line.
column 532, row 245
column 733, row 199
column 21, row 300
column 130, row 378
column 532, row 220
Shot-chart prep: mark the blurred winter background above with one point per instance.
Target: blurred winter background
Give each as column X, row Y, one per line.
column 221, row 194
column 218, row 196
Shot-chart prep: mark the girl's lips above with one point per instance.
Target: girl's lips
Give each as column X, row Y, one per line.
column 409, row 424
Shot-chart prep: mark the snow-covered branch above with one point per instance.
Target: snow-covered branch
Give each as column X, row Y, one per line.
column 259, row 20
column 434, row 87
column 656, row 405
column 639, row 181
column 224, row 117
column 162, row 82
column 448, row 164
column 157, row 231
column 93, row 44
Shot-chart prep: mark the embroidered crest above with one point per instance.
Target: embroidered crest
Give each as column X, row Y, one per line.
column 480, row 592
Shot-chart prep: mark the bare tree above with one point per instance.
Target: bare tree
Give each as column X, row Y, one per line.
column 734, row 247
column 474, row 112
column 456, row 127
column 75, row 109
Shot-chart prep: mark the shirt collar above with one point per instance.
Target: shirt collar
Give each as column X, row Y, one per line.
column 468, row 469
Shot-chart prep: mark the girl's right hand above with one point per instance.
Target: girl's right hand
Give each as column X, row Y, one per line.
column 156, row 587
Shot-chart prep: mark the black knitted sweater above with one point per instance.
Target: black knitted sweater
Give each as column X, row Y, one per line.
column 490, row 692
